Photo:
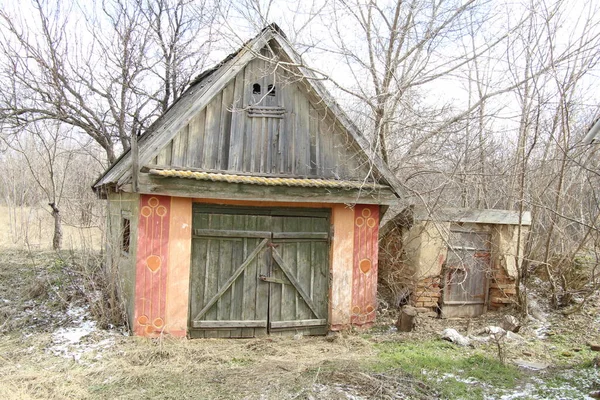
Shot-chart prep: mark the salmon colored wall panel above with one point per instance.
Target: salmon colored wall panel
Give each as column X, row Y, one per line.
column 341, row 266
column 180, row 253
column 364, row 281
column 152, row 265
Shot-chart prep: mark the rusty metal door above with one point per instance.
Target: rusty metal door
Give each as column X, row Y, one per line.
column 466, row 273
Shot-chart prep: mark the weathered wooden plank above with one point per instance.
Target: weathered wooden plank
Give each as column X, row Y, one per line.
column 180, row 145
column 302, row 143
column 226, row 268
column 292, row 144
column 249, row 80
column 301, row 235
column 227, row 191
column 314, row 145
column 468, row 215
column 263, row 265
column 230, row 233
column 249, row 288
column 230, row 324
column 197, row 275
column 225, row 126
column 164, row 156
column 233, row 277
column 294, row 281
column 238, row 118
column 303, row 268
column 212, row 274
column 212, row 132
column 196, row 140
column 297, row 323
column 263, row 159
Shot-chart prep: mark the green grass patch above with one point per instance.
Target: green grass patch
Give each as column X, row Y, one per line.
column 456, row 372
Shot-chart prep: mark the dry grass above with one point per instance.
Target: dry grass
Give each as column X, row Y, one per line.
column 32, row 228
column 133, row 368
column 37, row 288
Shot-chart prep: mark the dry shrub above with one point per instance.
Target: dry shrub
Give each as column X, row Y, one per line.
column 575, row 277
column 396, row 278
column 89, row 279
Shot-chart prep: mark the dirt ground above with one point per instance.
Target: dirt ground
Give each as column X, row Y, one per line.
column 52, row 347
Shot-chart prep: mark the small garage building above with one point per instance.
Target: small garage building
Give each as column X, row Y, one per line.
column 250, row 207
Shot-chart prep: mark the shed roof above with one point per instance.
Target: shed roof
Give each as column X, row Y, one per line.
column 471, row 215
column 209, row 83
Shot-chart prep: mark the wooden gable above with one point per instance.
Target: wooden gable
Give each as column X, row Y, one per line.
column 259, row 112
column 266, row 121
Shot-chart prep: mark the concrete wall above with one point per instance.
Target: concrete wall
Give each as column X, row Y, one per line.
column 425, row 245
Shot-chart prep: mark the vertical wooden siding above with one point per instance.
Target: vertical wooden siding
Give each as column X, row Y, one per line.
column 305, row 142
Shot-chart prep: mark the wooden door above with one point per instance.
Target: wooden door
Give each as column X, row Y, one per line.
column 300, row 269
column 466, row 274
column 255, row 272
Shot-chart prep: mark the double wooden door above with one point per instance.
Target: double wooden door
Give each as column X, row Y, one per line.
column 258, row 271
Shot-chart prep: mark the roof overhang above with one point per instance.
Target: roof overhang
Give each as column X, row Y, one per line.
column 593, row 135
column 475, row 216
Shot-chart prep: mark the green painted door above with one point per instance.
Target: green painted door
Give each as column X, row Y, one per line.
column 257, row 271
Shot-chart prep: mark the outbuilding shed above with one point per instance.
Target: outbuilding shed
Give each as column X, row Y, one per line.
column 454, row 262
column 250, row 207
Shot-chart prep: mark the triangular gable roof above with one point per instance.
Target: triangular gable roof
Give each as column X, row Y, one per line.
column 210, row 83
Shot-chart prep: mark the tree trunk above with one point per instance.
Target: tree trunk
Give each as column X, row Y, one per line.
column 406, row 322
column 58, row 233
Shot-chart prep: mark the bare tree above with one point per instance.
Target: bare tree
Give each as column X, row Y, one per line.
column 48, row 157
column 106, row 71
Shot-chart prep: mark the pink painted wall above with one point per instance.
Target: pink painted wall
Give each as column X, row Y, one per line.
column 364, row 280
column 164, row 257
column 152, row 264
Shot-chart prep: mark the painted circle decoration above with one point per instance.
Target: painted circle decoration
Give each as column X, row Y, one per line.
column 153, row 202
column 370, row 309
column 371, row 222
column 149, row 329
column 365, row 265
column 356, row 310
column 146, row 211
column 153, row 263
column 158, row 322
column 366, row 212
column 360, row 221
column 161, row 211
column 142, row 320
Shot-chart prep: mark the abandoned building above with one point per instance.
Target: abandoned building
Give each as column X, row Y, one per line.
column 250, row 207
column 452, row 262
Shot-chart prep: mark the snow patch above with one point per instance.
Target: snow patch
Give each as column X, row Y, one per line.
column 75, row 341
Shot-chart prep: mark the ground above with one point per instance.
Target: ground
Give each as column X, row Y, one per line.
column 57, row 340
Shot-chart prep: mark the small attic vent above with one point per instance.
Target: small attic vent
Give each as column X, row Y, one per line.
column 266, row 112
column 256, row 88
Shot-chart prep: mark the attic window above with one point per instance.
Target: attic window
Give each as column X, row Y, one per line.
column 256, row 88
column 271, row 90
